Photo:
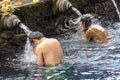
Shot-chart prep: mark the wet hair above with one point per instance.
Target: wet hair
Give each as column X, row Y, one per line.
column 87, row 21
column 35, row 35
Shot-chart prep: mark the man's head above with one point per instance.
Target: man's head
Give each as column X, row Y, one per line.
column 85, row 23
column 35, row 36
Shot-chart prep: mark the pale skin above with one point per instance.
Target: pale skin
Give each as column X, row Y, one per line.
column 48, row 51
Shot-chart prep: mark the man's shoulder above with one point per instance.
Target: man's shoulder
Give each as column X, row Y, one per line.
column 52, row 39
column 49, row 41
column 98, row 27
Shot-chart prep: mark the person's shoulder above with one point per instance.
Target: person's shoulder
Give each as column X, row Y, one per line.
column 53, row 39
column 97, row 26
column 49, row 41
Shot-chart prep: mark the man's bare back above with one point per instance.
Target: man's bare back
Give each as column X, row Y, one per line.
column 51, row 51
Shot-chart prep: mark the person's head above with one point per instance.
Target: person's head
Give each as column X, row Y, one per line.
column 35, row 36
column 85, row 23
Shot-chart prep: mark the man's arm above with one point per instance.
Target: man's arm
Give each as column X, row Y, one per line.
column 87, row 36
column 39, row 55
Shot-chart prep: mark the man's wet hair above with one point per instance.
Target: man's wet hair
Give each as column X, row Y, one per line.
column 35, row 35
column 87, row 21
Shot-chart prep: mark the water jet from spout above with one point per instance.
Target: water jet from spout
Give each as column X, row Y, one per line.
column 76, row 11
column 76, row 20
column 118, row 12
column 25, row 28
column 28, row 56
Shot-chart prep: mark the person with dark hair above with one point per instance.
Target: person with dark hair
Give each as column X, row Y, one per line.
column 48, row 50
column 93, row 32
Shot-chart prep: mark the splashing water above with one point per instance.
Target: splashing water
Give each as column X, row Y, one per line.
column 77, row 51
column 25, row 28
column 118, row 12
column 89, row 57
column 28, row 56
column 77, row 20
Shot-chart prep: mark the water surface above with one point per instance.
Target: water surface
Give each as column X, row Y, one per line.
column 90, row 61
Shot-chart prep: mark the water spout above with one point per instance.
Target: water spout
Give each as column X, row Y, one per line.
column 9, row 22
column 62, row 5
column 25, row 28
column 118, row 12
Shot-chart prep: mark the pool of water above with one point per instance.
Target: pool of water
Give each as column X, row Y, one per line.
column 89, row 61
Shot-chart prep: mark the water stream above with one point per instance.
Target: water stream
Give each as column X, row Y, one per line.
column 28, row 55
column 25, row 28
column 117, row 10
column 76, row 20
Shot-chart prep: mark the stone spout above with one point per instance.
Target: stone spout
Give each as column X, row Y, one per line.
column 9, row 22
column 61, row 5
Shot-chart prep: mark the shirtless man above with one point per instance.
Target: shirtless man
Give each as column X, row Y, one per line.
column 93, row 32
column 48, row 50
